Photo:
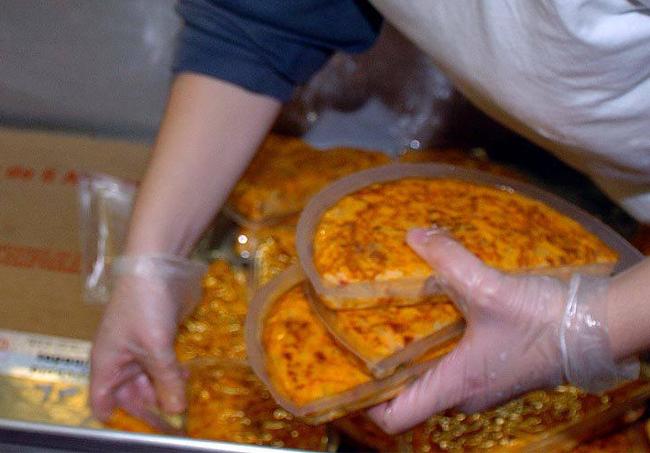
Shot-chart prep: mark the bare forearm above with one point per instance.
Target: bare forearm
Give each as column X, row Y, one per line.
column 209, row 133
column 628, row 312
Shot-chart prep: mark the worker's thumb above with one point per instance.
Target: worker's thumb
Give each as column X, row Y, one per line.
column 459, row 273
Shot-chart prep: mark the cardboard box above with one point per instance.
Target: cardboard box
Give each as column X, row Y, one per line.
column 40, row 285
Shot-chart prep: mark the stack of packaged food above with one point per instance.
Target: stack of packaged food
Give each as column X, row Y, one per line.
column 331, row 312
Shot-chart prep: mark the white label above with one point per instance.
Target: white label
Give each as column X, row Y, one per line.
column 43, row 357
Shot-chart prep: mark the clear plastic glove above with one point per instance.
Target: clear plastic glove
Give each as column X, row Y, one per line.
column 133, row 364
column 523, row 333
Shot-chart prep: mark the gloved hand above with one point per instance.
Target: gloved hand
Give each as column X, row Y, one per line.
column 523, row 333
column 133, row 364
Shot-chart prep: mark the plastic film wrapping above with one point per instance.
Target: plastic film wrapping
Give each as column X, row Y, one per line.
column 388, row 337
column 599, row 253
column 227, row 402
column 306, row 371
column 105, row 205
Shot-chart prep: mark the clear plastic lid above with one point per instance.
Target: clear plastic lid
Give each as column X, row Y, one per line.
column 342, row 293
column 385, row 338
column 308, row 373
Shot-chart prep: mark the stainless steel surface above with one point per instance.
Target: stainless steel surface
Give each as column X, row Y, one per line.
column 68, row 438
column 43, row 403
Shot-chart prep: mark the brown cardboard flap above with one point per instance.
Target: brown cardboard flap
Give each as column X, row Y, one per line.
column 40, row 287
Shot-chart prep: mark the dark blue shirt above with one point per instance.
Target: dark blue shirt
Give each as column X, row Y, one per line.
column 270, row 46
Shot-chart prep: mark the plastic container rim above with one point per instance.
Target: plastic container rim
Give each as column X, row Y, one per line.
column 331, row 407
column 323, row 200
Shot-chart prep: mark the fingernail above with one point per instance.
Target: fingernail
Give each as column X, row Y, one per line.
column 174, row 403
column 434, row 285
column 422, row 236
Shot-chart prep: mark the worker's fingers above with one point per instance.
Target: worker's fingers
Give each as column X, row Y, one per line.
column 168, row 380
column 440, row 388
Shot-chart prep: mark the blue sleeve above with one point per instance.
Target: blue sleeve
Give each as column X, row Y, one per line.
column 270, row 46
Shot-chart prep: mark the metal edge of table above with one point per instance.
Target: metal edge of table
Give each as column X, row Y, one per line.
column 87, row 439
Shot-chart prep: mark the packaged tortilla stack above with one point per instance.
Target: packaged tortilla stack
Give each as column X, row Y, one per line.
column 227, row 402
column 356, row 320
column 306, row 370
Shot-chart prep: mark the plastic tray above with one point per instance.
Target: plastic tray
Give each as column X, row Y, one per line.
column 333, row 406
column 539, row 421
column 385, row 349
column 227, row 402
column 366, row 294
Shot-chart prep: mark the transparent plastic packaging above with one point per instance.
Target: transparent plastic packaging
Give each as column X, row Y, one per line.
column 274, row 254
column 285, row 173
column 387, row 337
column 539, row 421
column 333, row 382
column 171, row 279
column 105, row 205
column 248, row 240
column 216, row 326
column 406, row 288
column 227, row 402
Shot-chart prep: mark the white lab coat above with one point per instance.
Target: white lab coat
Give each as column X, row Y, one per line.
column 571, row 75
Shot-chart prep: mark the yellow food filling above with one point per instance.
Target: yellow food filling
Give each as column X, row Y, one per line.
column 216, row 327
column 362, row 237
column 227, row 402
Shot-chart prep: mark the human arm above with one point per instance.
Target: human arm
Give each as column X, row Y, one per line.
column 237, row 60
column 210, row 130
column 515, row 340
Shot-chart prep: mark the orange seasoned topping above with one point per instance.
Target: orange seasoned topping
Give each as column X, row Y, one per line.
column 123, row 421
column 302, row 358
column 216, row 327
column 286, row 172
column 227, row 402
column 362, row 237
column 377, row 333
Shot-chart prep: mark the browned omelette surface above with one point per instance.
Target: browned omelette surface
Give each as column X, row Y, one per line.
column 216, row 327
column 362, row 237
column 373, row 334
column 286, row 172
column 377, row 333
column 302, row 358
column 227, row 402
